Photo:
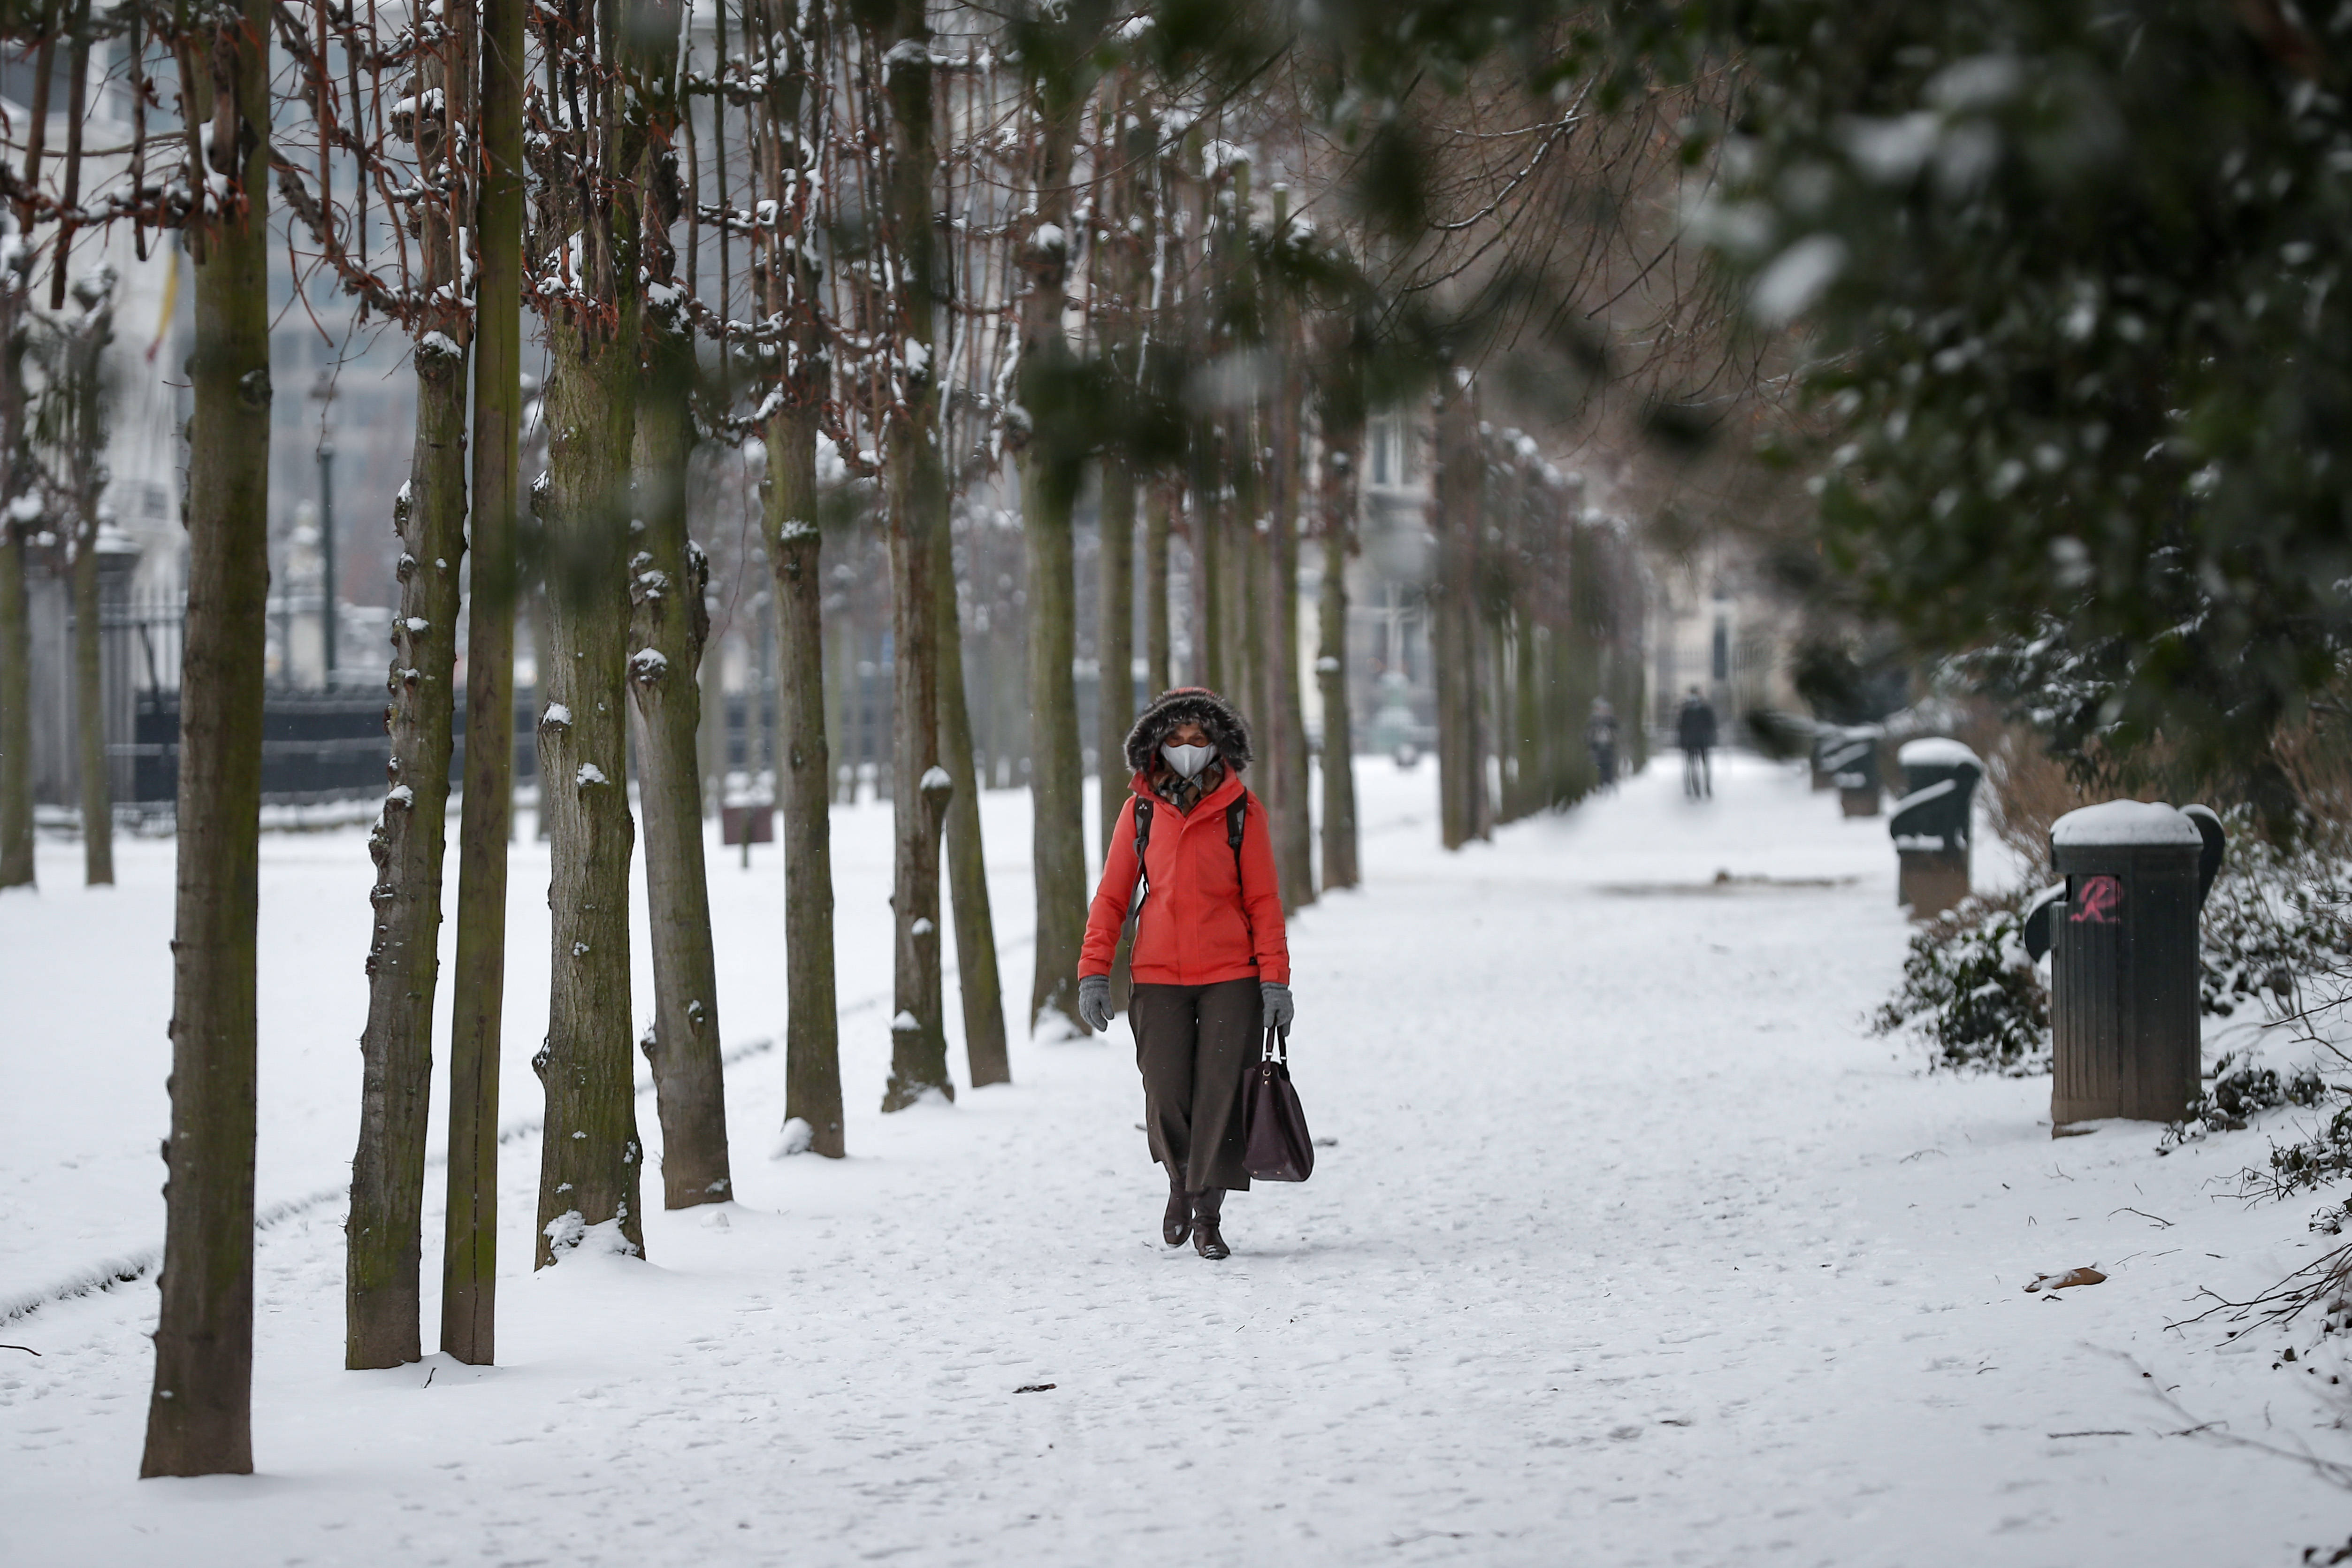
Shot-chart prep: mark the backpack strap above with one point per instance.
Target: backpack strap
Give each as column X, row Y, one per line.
column 1236, row 814
column 1142, row 872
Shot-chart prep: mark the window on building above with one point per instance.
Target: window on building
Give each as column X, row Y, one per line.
column 1722, row 659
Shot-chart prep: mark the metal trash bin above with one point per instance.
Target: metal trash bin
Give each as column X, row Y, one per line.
column 2122, row 935
column 1931, row 823
column 1853, row 763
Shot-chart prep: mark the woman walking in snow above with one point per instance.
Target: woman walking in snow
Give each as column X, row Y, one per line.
column 1193, row 859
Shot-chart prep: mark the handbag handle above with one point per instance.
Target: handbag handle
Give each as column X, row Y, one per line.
column 1276, row 1047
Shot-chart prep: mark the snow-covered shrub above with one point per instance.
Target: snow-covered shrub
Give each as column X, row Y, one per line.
column 2275, row 920
column 2240, row 1090
column 1970, row 994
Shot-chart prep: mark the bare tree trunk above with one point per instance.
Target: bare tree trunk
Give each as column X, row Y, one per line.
column 16, row 708
column 669, row 624
column 16, row 617
column 1115, row 643
column 840, row 704
column 84, row 425
column 1456, row 506
column 1048, row 492
column 1209, row 567
column 915, row 489
column 1120, row 303
column 975, row 926
column 199, row 1420
column 1156, row 527
column 1527, row 794
column 1343, row 447
column 478, row 976
column 1253, row 570
column 90, row 702
column 805, row 782
column 381, row 1285
column 709, row 733
column 921, row 787
column 590, row 1156
column 1293, row 819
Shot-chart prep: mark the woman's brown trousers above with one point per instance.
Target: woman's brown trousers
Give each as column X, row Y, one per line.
column 1195, row 1045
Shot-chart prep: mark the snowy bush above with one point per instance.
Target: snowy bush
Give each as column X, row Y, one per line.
column 1970, row 994
column 2275, row 921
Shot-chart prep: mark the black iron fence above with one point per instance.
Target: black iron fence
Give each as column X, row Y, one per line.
column 316, row 746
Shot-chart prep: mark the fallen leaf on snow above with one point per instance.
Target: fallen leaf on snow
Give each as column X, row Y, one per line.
column 2072, row 1277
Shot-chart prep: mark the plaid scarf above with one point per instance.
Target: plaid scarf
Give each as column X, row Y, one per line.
column 1184, row 793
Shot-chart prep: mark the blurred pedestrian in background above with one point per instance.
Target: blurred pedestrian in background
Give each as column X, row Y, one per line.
column 1601, row 739
column 1695, row 728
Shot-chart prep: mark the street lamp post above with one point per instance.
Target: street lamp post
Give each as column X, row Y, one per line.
column 327, row 551
column 329, row 630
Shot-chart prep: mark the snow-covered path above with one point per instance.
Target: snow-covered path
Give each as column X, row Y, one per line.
column 1631, row 1246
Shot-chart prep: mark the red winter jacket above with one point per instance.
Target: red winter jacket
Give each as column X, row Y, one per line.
column 1200, row 924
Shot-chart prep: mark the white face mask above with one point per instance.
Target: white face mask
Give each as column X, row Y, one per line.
column 1188, row 761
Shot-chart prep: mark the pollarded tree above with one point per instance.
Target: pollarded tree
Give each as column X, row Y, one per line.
column 669, row 624
column 71, row 426
column 915, row 503
column 199, row 1421
column 1457, row 513
column 1284, row 720
column 1339, row 424
column 478, row 978
column 1057, row 55
column 421, row 144
column 791, row 41
column 609, row 75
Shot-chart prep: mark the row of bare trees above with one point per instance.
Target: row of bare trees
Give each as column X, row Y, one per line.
column 54, row 410
column 1535, row 615
column 914, row 262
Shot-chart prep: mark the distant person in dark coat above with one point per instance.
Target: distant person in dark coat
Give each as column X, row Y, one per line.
column 1601, row 739
column 1695, row 728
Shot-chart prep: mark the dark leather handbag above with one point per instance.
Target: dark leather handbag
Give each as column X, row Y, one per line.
column 1276, row 1146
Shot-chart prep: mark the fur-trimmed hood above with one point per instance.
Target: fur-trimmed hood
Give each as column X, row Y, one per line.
column 1188, row 705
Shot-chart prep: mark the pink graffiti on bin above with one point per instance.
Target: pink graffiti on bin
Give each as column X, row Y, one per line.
column 2099, row 902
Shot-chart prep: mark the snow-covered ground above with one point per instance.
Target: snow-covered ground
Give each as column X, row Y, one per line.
column 1631, row 1246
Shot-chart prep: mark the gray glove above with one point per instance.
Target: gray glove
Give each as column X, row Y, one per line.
column 1094, row 1000
column 1279, row 1009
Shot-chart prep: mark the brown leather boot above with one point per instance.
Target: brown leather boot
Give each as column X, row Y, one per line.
column 1177, row 1223
column 1205, row 1240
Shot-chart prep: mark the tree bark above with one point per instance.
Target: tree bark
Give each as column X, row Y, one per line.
column 1343, row 446
column 1156, row 527
column 985, row 1051
column 669, row 623
column 1048, row 495
column 920, row 786
column 590, row 1156
column 1455, row 504
column 90, row 707
column 383, row 1240
column 915, row 489
column 477, row 975
column 1209, row 662
column 383, row 1287
column 85, row 427
column 1292, row 822
column 1528, row 792
column 16, row 616
column 199, row 1419
column 1115, row 643
column 16, row 708
column 805, row 783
